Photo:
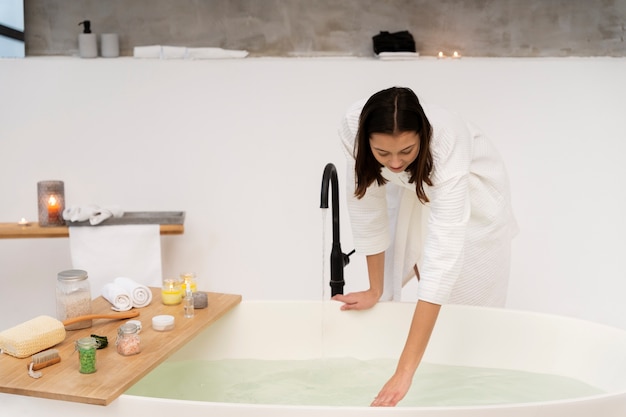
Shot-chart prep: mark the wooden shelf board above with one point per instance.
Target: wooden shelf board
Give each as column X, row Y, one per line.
column 34, row 230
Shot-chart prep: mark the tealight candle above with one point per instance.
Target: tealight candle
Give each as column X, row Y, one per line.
column 456, row 55
column 171, row 293
column 23, row 222
column 440, row 55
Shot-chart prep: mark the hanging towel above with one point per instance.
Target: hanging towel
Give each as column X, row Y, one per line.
column 140, row 294
column 117, row 296
column 107, row 252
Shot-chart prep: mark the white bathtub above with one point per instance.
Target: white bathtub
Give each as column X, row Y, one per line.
column 466, row 336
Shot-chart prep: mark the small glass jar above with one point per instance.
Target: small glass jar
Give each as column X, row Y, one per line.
column 86, row 348
column 73, row 295
column 128, row 341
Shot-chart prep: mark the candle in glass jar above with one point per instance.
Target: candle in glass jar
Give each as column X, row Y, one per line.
column 53, row 209
column 171, row 293
column 188, row 280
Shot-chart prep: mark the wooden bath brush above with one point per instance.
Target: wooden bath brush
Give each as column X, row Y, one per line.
column 42, row 360
column 44, row 332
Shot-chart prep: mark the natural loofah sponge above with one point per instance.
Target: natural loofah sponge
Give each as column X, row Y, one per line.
column 32, row 336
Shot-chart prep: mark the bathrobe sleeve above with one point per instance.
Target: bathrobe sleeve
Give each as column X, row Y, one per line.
column 443, row 252
column 368, row 215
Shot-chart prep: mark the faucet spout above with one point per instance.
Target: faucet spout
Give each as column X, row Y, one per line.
column 338, row 259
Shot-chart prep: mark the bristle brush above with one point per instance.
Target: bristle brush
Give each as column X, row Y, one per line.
column 42, row 360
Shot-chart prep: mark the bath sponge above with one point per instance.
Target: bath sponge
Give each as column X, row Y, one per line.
column 32, row 336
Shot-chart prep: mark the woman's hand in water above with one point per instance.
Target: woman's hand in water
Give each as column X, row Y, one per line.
column 394, row 390
column 361, row 300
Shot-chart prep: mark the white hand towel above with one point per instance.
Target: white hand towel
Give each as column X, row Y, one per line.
column 106, row 252
column 79, row 213
column 173, row 52
column 104, row 213
column 117, row 296
column 140, row 294
column 214, row 53
column 93, row 213
column 151, row 51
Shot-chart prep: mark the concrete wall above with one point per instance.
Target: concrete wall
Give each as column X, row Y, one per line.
column 480, row 28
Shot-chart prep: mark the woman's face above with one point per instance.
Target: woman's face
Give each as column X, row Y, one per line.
column 396, row 152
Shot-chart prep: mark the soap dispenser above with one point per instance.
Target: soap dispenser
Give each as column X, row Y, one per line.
column 87, row 43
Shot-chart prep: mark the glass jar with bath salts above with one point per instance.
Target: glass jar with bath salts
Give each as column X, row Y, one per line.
column 128, row 341
column 73, row 296
column 86, row 348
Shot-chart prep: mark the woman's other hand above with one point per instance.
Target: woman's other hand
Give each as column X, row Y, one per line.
column 361, row 300
column 394, row 390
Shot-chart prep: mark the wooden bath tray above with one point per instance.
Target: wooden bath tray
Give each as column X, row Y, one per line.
column 115, row 373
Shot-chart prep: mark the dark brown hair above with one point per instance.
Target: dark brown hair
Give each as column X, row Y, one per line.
column 392, row 111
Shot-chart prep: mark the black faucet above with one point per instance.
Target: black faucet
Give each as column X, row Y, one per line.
column 338, row 259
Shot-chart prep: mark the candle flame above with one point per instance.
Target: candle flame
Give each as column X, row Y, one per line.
column 52, row 201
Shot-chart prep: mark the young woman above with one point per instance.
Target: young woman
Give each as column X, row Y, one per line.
column 428, row 196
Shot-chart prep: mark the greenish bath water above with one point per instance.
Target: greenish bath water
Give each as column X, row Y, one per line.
column 348, row 382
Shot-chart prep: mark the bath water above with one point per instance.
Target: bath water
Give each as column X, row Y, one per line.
column 348, row 382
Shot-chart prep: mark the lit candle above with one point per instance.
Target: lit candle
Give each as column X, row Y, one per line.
column 171, row 293
column 440, row 55
column 456, row 55
column 23, row 222
column 53, row 209
column 189, row 279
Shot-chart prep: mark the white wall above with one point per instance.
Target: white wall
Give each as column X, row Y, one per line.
column 240, row 145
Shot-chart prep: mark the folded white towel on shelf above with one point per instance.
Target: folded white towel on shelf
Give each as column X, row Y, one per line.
column 117, row 296
column 173, row 52
column 182, row 52
column 110, row 251
column 151, row 51
column 93, row 213
column 140, row 295
column 214, row 53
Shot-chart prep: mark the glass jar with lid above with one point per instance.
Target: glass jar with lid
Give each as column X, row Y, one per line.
column 128, row 341
column 73, row 296
column 86, row 347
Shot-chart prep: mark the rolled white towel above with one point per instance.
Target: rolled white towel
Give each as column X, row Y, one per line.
column 140, row 294
column 118, row 296
column 101, row 214
column 79, row 213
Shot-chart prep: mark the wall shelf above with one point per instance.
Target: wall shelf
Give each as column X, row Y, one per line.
column 33, row 230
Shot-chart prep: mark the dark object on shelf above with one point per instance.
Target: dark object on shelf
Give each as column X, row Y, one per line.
column 394, row 42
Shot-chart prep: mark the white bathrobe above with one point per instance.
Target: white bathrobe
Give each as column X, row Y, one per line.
column 461, row 239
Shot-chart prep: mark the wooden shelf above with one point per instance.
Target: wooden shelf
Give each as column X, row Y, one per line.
column 33, row 230
column 115, row 373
